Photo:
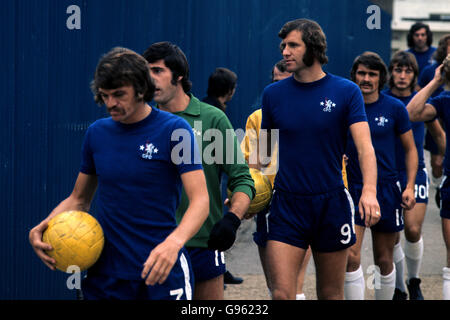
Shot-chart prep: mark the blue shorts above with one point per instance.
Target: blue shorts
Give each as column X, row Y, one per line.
column 389, row 198
column 262, row 228
column 324, row 221
column 421, row 186
column 206, row 264
column 178, row 285
column 445, row 197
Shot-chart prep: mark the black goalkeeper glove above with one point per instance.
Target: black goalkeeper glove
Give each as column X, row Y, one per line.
column 223, row 233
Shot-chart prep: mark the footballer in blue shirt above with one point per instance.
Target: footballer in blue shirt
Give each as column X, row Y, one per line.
column 313, row 112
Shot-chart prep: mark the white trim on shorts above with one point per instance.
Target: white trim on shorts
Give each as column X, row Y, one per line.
column 187, row 278
column 352, row 207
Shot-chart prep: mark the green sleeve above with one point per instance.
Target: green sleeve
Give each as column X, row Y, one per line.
column 233, row 164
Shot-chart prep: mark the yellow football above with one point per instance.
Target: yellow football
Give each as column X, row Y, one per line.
column 76, row 238
column 263, row 192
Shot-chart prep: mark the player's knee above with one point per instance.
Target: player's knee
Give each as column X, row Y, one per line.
column 413, row 233
column 281, row 294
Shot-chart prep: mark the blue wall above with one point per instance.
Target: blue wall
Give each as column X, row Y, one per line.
column 47, row 105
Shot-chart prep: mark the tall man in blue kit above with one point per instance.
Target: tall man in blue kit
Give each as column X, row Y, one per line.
column 129, row 158
column 313, row 112
column 388, row 119
column 404, row 71
column 170, row 71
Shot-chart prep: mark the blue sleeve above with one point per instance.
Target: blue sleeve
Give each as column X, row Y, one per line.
column 439, row 104
column 87, row 160
column 356, row 110
column 184, row 149
column 402, row 123
column 266, row 122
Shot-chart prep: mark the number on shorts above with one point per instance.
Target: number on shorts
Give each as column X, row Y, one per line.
column 346, row 232
column 177, row 292
column 420, row 191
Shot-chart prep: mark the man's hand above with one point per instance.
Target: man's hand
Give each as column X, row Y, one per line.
column 35, row 237
column 408, row 199
column 223, row 233
column 161, row 261
column 369, row 209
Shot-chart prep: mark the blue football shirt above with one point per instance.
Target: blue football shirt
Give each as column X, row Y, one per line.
column 313, row 120
column 418, row 129
column 442, row 105
column 388, row 118
column 139, row 186
column 423, row 58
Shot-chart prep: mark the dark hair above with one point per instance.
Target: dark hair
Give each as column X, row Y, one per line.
column 123, row 67
column 404, row 59
column 417, row 26
column 441, row 51
column 174, row 59
column 221, row 82
column 313, row 37
column 372, row 61
column 280, row 65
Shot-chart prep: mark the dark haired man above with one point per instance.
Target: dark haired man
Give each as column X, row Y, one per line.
column 169, row 69
column 313, row 112
column 403, row 74
column 388, row 120
column 221, row 88
column 419, row 40
column 128, row 156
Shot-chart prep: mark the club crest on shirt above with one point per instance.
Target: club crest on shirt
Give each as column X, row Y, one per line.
column 149, row 149
column 327, row 104
column 381, row 121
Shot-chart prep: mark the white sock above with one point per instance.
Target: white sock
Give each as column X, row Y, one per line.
column 446, row 284
column 413, row 257
column 399, row 260
column 387, row 286
column 354, row 286
column 300, row 296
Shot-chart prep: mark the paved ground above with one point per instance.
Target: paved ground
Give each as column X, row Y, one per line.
column 243, row 260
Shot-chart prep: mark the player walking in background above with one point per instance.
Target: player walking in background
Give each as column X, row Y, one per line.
column 313, row 112
column 403, row 74
column 420, row 109
column 419, row 40
column 221, row 88
column 170, row 71
column 128, row 158
column 388, row 119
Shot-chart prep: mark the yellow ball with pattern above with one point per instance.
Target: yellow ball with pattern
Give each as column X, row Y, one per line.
column 76, row 238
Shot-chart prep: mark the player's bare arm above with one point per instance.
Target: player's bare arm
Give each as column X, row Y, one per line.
column 411, row 162
column 163, row 257
column 417, row 108
column 368, row 203
column 80, row 199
